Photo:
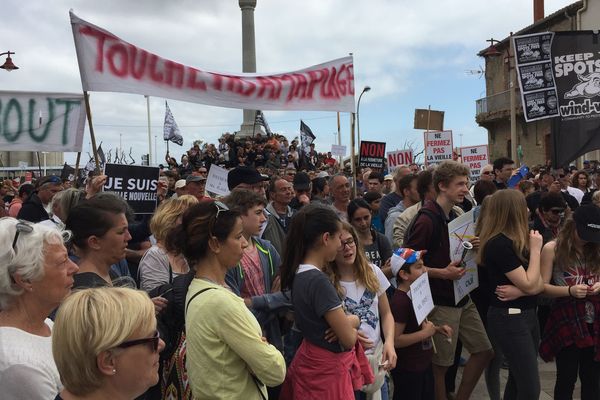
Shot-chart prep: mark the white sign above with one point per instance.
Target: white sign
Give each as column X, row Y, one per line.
column 398, row 158
column 475, row 157
column 438, row 147
column 462, row 229
column 422, row 301
column 23, row 164
column 36, row 121
column 338, row 150
column 110, row 64
column 217, row 180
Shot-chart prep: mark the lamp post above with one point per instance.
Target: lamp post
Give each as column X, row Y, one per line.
column 366, row 89
column 8, row 64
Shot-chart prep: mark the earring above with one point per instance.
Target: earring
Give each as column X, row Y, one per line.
column 114, row 371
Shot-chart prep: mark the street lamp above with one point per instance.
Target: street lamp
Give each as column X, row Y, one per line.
column 8, row 64
column 366, row 89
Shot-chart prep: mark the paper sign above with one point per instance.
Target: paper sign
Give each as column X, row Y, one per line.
column 372, row 154
column 475, row 157
column 217, row 180
column 422, row 301
column 338, row 150
column 462, row 229
column 438, row 147
column 398, row 158
column 134, row 183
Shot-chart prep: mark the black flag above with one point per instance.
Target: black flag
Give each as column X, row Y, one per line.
column 306, row 137
column 261, row 120
column 170, row 128
column 66, row 172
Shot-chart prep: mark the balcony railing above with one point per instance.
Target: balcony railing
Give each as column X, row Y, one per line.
column 497, row 102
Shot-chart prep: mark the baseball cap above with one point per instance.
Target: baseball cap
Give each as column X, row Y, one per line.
column 180, row 184
column 194, row 178
column 404, row 255
column 587, row 220
column 323, row 174
column 243, row 174
column 301, row 181
column 388, row 177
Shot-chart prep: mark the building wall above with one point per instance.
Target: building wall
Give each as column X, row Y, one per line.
column 12, row 158
column 590, row 19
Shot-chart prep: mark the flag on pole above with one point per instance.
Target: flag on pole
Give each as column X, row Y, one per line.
column 261, row 120
column 91, row 165
column 170, row 129
column 67, row 172
column 306, row 137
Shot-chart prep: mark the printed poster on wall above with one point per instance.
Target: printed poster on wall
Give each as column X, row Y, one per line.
column 475, row 157
column 136, row 184
column 438, row 147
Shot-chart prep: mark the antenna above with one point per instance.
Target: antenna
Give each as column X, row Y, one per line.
column 479, row 72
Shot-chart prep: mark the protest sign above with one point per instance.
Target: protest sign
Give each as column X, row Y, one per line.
column 438, row 147
column 338, row 150
column 217, row 180
column 475, row 157
column 420, row 294
column 110, row 64
column 399, row 157
column 134, row 183
column 372, row 154
column 35, row 121
column 462, row 229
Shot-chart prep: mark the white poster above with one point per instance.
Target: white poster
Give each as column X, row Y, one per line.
column 462, row 229
column 438, row 147
column 36, row 121
column 217, row 180
column 338, row 150
column 475, row 157
column 110, row 64
column 422, row 301
column 398, row 158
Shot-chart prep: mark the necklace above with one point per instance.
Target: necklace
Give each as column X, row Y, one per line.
column 213, row 282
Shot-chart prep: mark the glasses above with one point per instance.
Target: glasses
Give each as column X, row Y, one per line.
column 349, row 242
column 153, row 341
column 21, row 227
column 486, row 173
column 557, row 211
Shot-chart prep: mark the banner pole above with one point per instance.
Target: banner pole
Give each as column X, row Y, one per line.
column 341, row 159
column 513, row 113
column 149, row 131
column 352, row 157
column 77, row 168
column 88, row 111
column 39, row 163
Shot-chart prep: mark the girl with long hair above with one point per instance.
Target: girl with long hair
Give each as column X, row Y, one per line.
column 362, row 286
column 329, row 348
column 571, row 274
column 510, row 254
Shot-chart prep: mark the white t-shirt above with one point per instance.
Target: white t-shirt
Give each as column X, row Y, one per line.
column 366, row 305
column 27, row 368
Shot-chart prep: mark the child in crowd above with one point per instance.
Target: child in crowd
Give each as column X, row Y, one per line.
column 374, row 200
column 413, row 376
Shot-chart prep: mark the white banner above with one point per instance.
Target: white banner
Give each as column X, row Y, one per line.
column 438, row 147
column 338, row 150
column 420, row 294
column 110, row 64
column 462, row 229
column 398, row 158
column 36, row 121
column 475, row 157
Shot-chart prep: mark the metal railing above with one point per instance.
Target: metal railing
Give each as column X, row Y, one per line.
column 496, row 102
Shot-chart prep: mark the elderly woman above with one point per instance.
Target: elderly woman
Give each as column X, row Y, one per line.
column 61, row 206
column 35, row 276
column 106, row 344
column 158, row 266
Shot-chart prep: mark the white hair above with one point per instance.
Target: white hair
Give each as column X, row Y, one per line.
column 26, row 259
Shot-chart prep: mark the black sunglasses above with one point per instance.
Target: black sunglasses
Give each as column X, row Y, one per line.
column 21, row 227
column 152, row 340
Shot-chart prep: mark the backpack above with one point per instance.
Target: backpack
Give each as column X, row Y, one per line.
column 436, row 236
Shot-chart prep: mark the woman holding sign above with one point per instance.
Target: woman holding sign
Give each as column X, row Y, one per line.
column 511, row 255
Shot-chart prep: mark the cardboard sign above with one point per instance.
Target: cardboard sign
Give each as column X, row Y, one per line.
column 217, row 180
column 338, row 150
column 398, row 158
column 372, row 154
column 422, row 301
column 462, row 229
column 438, row 147
column 134, row 183
column 475, row 157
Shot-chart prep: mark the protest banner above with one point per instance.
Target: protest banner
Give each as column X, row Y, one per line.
column 420, row 294
column 136, row 184
column 475, row 157
column 438, row 147
column 462, row 229
column 398, row 158
column 217, row 180
column 372, row 154
column 110, row 64
column 36, row 121
column 338, row 150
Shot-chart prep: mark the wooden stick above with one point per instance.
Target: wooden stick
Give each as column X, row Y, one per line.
column 77, row 168
column 432, row 342
column 88, row 112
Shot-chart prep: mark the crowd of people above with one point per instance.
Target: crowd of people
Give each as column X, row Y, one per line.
column 292, row 287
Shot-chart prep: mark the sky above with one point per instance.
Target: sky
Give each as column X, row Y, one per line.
column 413, row 54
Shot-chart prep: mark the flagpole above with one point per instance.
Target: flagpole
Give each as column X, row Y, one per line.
column 339, row 138
column 77, row 168
column 149, row 131
column 352, row 157
column 88, row 111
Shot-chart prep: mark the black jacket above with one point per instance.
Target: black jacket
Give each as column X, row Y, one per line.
column 33, row 210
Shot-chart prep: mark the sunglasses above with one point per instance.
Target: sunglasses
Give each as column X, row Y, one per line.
column 153, row 341
column 557, row 211
column 21, row 227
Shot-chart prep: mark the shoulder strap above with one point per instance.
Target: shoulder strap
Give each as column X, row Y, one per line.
column 194, row 296
column 432, row 216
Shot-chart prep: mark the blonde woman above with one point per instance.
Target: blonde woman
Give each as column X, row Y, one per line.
column 511, row 255
column 106, row 345
column 158, row 266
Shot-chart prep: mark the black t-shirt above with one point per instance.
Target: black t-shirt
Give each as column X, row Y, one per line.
column 379, row 251
column 417, row 356
column 313, row 295
column 500, row 258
